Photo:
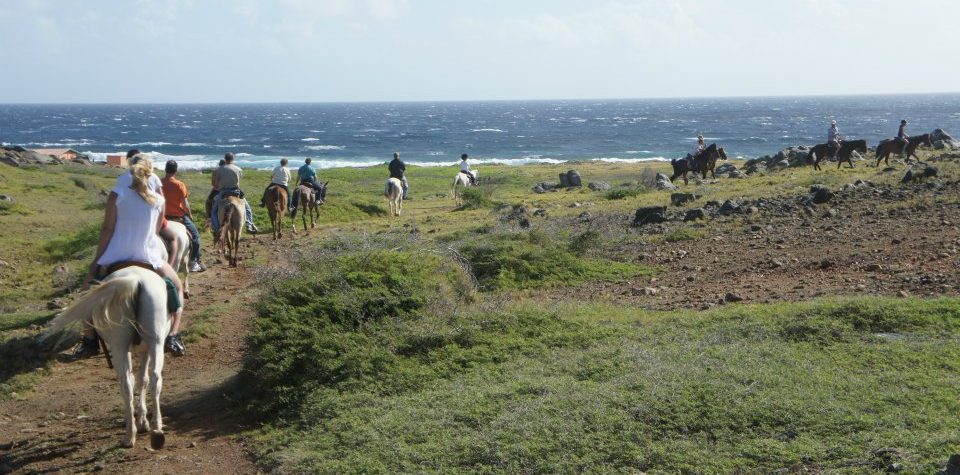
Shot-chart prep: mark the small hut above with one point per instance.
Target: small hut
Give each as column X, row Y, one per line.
column 117, row 161
column 65, row 154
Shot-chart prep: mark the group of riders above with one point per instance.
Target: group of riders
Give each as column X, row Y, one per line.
column 136, row 231
column 834, row 141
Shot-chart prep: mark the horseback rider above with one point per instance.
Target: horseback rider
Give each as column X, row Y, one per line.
column 696, row 152
column 178, row 209
column 833, row 138
column 226, row 179
column 306, row 175
column 281, row 177
column 129, row 237
column 213, row 189
column 902, row 137
column 398, row 170
column 465, row 169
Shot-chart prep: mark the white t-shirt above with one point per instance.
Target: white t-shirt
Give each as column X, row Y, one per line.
column 135, row 234
column 464, row 166
column 281, row 175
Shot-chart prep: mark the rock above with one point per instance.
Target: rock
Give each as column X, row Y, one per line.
column 576, row 204
column 940, row 134
column 728, row 207
column 874, row 267
column 6, row 198
column 751, row 210
column 664, row 183
column 820, row 194
column 776, row 263
column 929, row 171
column 732, row 297
column 56, row 304
column 736, row 174
column 678, row 199
column 570, row 179
column 540, row 212
column 907, row 177
column 584, row 216
column 903, row 294
column 544, row 187
column 695, row 214
column 831, row 213
column 524, row 223
column 650, row 215
column 726, row 168
column 599, row 186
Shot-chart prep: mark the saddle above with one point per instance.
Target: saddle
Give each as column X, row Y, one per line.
column 173, row 299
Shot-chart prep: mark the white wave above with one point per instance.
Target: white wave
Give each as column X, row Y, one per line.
column 629, row 160
column 310, row 139
column 705, row 138
column 194, row 144
column 491, row 161
column 489, row 130
column 634, row 152
column 436, row 154
column 234, row 140
column 68, row 143
column 242, row 154
column 324, row 147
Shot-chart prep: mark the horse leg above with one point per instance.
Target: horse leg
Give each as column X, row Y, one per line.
column 141, row 392
column 155, row 356
column 121, row 361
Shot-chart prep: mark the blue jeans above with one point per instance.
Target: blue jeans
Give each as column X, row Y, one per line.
column 214, row 213
column 194, row 238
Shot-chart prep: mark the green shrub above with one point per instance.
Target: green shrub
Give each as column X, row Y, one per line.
column 623, row 193
column 528, row 260
column 584, row 243
column 682, row 234
column 476, row 197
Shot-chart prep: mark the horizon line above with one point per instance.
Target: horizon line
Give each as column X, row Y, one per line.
column 441, row 101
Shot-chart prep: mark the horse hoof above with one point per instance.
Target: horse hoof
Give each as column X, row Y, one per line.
column 157, row 439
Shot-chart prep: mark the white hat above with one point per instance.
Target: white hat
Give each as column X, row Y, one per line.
column 833, row 122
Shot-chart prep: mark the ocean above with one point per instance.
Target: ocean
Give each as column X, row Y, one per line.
column 436, row 133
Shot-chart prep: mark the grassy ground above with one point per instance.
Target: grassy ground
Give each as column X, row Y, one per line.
column 476, row 361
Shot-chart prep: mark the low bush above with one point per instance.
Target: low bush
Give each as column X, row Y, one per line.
column 623, row 193
column 533, row 259
column 477, row 197
column 74, row 246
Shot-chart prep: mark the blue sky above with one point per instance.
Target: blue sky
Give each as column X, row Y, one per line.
column 375, row 50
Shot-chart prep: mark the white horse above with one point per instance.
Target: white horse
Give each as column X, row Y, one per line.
column 181, row 262
column 129, row 302
column 393, row 191
column 461, row 181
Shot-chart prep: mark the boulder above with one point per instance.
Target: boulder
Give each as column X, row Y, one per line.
column 736, row 174
column 940, row 134
column 728, row 207
column 929, row 171
column 584, row 216
column 570, row 179
column 695, row 214
column 678, row 199
column 650, row 215
column 820, row 194
column 599, row 186
column 953, row 465
column 726, row 168
column 664, row 183
column 907, row 177
column 544, row 187
column 7, row 198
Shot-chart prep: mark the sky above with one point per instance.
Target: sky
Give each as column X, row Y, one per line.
column 137, row 51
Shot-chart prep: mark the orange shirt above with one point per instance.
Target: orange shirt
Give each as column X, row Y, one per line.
column 175, row 192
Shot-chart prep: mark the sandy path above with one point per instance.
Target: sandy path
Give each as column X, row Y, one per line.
column 71, row 421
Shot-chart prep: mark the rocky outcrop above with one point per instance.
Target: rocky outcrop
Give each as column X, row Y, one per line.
column 695, row 214
column 789, row 157
column 820, row 194
column 943, row 141
column 728, row 207
column 17, row 156
column 679, row 199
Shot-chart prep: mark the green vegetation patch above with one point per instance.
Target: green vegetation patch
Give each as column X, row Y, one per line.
column 624, row 193
column 358, row 372
column 534, row 259
column 73, row 246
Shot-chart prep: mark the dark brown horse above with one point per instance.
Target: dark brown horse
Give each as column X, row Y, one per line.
column 704, row 162
column 847, row 147
column 276, row 200
column 890, row 146
column 307, row 198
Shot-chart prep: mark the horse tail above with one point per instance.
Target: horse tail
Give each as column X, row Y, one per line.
column 227, row 218
column 109, row 303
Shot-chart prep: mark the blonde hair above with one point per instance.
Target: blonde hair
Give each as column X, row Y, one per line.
column 141, row 169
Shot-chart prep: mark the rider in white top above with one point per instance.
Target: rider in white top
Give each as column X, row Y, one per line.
column 135, row 236
column 833, row 138
column 281, row 177
column 465, row 168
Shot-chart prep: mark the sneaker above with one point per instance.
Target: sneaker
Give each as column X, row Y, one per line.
column 87, row 347
column 174, row 345
column 197, row 267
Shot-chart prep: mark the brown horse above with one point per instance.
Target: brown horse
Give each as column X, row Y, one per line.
column 306, row 196
column 276, row 200
column 704, row 162
column 890, row 146
column 847, row 147
column 231, row 215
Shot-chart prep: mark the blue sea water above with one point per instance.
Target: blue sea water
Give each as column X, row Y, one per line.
column 364, row 134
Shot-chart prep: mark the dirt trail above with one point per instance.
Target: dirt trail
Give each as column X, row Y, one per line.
column 71, row 421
